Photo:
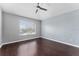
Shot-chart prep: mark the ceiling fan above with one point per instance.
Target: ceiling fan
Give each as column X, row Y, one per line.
column 39, row 7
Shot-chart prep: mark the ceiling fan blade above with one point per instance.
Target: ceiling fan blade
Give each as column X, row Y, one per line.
column 42, row 8
column 36, row 11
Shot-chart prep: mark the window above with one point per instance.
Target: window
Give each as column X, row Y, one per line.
column 27, row 27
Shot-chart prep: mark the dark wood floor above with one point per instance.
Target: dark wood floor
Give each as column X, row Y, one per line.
column 38, row 47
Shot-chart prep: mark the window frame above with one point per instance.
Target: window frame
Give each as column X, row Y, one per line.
column 27, row 20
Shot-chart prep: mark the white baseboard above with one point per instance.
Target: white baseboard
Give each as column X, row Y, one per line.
column 0, row 46
column 16, row 41
column 39, row 37
column 62, row 42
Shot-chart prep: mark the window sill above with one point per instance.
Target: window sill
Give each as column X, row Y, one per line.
column 27, row 34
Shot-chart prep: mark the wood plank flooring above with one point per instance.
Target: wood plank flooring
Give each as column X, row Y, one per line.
column 38, row 47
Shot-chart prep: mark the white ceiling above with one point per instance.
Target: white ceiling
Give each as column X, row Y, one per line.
column 28, row 9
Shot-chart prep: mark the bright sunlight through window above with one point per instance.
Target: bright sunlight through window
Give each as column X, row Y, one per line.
column 27, row 27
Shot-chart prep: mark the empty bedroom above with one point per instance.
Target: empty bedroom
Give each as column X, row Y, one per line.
column 39, row 29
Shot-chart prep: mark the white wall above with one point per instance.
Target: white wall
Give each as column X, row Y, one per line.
column 64, row 28
column 11, row 28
